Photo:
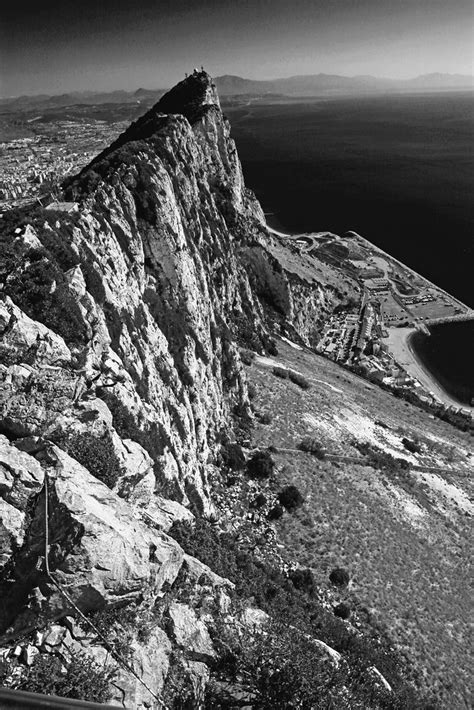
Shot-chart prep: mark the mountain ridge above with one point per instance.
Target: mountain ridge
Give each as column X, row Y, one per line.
column 229, row 84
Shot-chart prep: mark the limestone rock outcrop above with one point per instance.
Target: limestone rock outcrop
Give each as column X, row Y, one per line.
column 120, row 374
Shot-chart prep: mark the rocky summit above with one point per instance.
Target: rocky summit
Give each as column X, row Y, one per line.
column 135, row 551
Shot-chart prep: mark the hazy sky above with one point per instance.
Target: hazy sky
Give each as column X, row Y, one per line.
column 54, row 46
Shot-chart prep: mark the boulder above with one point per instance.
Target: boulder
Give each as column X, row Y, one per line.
column 115, row 557
column 190, row 633
column 26, row 340
column 21, row 477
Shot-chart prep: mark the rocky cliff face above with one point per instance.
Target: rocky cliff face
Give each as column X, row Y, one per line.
column 121, row 375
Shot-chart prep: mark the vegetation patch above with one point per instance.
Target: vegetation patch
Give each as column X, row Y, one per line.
column 290, row 498
column 260, row 465
column 81, row 678
column 312, row 446
column 284, row 656
column 97, row 455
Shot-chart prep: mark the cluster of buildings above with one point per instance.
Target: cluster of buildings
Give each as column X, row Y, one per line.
column 35, row 165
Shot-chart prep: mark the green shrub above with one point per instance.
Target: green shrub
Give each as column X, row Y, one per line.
column 264, row 418
column 343, row 611
column 97, row 455
column 412, row 446
column 312, row 446
column 299, row 380
column 252, row 391
column 259, row 501
column 269, row 589
column 290, row 498
column 271, row 347
column 275, row 513
column 281, row 372
column 83, row 678
column 233, row 457
column 339, row 577
column 303, row 579
column 247, row 357
column 260, row 465
column 117, row 625
column 381, row 459
column 276, row 666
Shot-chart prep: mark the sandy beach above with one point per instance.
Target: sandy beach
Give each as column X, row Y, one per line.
column 398, row 342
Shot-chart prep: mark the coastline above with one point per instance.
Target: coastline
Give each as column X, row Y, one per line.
column 400, row 347
column 399, row 340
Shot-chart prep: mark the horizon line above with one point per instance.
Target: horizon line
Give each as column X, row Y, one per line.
column 237, row 76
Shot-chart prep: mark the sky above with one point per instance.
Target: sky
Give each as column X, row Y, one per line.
column 56, row 46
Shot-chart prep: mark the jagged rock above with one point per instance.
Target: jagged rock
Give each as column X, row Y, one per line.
column 253, row 618
column 197, row 572
column 28, row 654
column 190, row 633
column 161, row 512
column 24, row 340
column 150, row 663
column 32, row 399
column 118, row 556
column 199, row 675
column 54, row 637
column 27, row 240
column 21, row 478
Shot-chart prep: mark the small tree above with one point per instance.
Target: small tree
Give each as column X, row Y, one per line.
column 260, row 465
column 290, row 498
column 343, row 611
column 233, row 457
column 276, row 512
column 299, row 380
column 339, row 577
column 302, row 579
column 82, row 678
column 312, row 446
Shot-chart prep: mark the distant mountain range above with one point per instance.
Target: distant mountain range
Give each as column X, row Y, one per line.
column 319, row 84
column 228, row 85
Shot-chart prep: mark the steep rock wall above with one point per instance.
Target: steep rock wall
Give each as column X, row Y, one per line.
column 119, row 366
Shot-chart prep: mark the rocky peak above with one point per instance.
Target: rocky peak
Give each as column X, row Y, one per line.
column 192, row 97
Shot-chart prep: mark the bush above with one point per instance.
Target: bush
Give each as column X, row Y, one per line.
column 247, row 357
column 271, row 348
column 252, row 391
column 275, row 513
column 299, row 380
column 97, row 455
column 303, row 579
column 233, row 457
column 312, row 446
column 343, row 611
column 381, row 459
column 116, row 624
column 290, row 498
column 260, row 465
column 259, row 501
column 83, row 678
column 269, row 589
column 281, row 372
column 276, row 666
column 339, row 577
column 412, row 446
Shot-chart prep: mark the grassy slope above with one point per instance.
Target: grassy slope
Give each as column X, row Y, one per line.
column 404, row 538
